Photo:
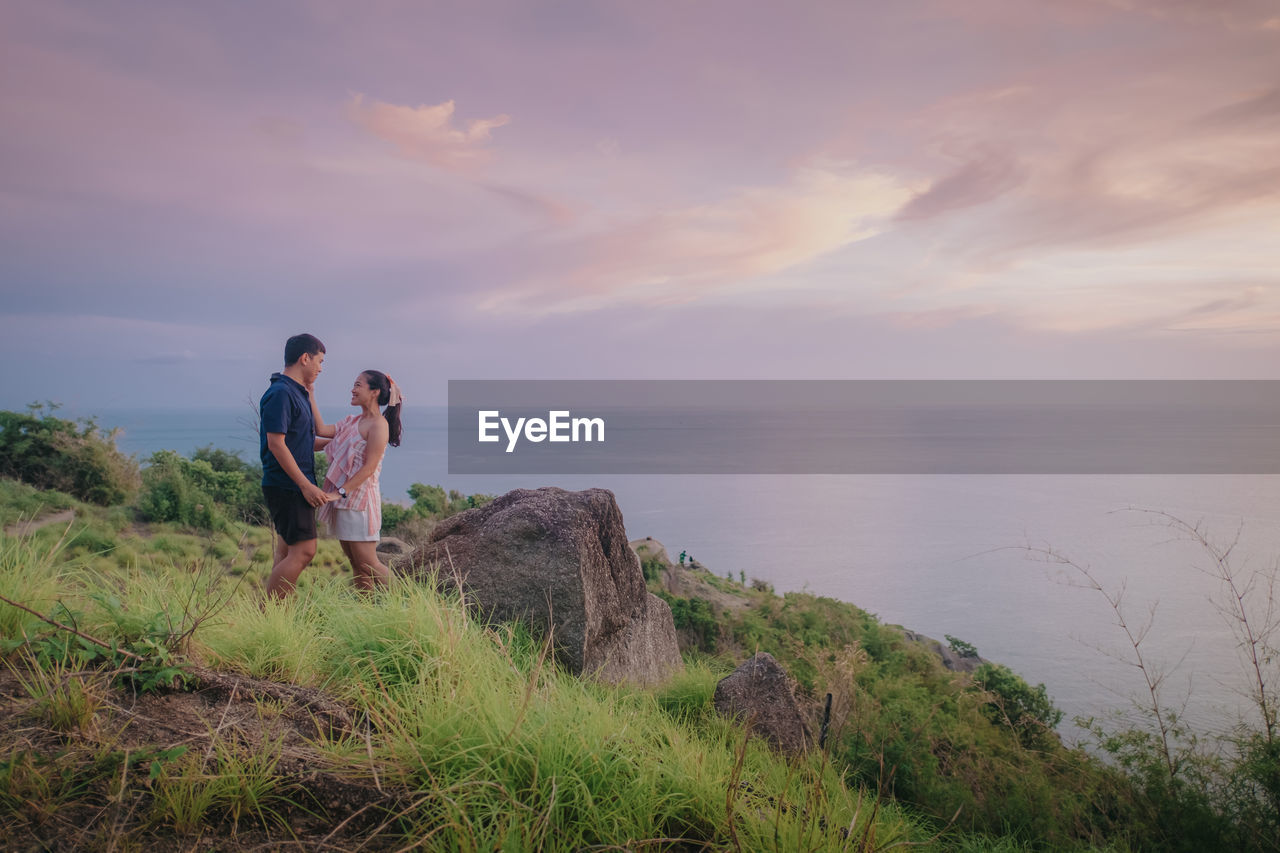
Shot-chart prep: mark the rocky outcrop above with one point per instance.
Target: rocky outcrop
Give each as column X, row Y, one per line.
column 760, row 694
column 950, row 658
column 560, row 561
column 688, row 582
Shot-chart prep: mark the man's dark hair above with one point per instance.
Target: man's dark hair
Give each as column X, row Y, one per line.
column 300, row 345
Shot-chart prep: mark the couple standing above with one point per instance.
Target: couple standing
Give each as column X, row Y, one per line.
column 350, row 503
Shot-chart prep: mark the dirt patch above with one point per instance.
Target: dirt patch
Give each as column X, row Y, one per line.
column 100, row 783
column 31, row 525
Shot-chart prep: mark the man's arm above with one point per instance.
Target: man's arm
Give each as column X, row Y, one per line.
column 313, row 493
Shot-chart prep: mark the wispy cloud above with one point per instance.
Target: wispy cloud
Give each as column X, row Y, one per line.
column 1264, row 106
column 427, row 132
column 981, row 179
column 677, row 255
column 1228, row 13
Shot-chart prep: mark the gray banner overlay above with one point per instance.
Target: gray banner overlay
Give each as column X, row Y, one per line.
column 864, row 427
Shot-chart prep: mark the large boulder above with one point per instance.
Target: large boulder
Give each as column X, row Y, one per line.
column 759, row 693
column 560, row 561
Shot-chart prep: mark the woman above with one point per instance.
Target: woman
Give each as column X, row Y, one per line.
column 355, row 446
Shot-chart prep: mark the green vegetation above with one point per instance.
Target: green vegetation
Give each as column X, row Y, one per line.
column 960, row 647
column 476, row 740
column 430, row 505
column 74, row 457
column 1202, row 791
column 651, row 567
column 982, row 746
column 208, row 491
column 1017, row 705
column 697, row 617
column 19, row 501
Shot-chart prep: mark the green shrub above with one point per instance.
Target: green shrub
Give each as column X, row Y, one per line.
column 697, row 616
column 393, row 515
column 429, row 502
column 652, row 568
column 960, row 647
column 75, row 457
column 206, row 491
column 1025, row 709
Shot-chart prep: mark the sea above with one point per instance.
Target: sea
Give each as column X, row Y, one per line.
column 993, row 560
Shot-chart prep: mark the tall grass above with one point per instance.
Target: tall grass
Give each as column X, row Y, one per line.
column 35, row 573
column 496, row 747
column 509, row 752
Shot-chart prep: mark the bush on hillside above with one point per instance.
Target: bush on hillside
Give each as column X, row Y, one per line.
column 430, row 503
column 1017, row 705
column 697, row 617
column 75, row 457
column 207, row 491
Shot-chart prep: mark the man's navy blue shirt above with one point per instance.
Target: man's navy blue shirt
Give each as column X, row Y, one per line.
column 286, row 408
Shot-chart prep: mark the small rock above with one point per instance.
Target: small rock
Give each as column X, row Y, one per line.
column 759, row 693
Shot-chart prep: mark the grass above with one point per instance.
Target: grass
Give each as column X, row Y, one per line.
column 509, row 749
column 226, row 783
column 466, row 737
column 498, row 748
column 65, row 701
column 20, row 502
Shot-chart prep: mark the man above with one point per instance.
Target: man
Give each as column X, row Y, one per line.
column 287, row 436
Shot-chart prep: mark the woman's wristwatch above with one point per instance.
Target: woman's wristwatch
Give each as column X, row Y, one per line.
column 342, row 493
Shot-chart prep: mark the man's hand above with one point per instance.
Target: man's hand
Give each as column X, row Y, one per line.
column 315, row 495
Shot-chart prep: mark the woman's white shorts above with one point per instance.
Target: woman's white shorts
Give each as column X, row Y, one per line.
column 352, row 525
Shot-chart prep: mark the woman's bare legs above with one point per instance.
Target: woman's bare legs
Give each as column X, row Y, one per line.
column 367, row 570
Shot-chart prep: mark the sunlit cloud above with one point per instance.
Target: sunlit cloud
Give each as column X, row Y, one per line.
column 427, row 132
column 676, row 255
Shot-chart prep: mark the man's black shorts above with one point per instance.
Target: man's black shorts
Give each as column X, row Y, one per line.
column 294, row 518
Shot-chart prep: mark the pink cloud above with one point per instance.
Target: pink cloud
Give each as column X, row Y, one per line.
column 427, row 132
column 1229, row 13
column 979, row 179
column 677, row 255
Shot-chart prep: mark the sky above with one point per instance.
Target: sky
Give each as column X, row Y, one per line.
column 527, row 189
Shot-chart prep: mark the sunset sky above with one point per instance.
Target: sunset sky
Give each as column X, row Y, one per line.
column 704, row 189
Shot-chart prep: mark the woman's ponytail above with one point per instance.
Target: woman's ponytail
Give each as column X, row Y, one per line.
column 392, row 414
column 389, row 396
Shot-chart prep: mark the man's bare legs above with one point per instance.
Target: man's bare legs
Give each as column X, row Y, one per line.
column 290, row 561
column 368, row 572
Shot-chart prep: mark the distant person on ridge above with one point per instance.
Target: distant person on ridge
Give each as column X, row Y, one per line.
column 355, row 446
column 287, row 436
